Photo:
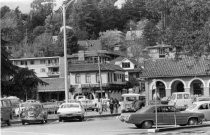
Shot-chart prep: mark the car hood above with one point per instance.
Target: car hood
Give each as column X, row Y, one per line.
column 69, row 110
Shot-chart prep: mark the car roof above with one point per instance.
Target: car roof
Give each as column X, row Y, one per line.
column 201, row 102
column 130, row 94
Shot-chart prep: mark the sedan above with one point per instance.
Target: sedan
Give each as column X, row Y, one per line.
column 166, row 115
column 201, row 107
column 70, row 111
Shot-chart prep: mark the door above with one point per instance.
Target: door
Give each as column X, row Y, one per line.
column 205, row 109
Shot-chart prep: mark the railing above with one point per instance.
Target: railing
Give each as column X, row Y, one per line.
column 53, row 73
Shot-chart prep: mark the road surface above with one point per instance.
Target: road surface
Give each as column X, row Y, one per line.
column 102, row 126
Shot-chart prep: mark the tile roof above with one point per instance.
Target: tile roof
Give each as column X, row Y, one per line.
column 176, row 68
column 93, row 67
column 55, row 84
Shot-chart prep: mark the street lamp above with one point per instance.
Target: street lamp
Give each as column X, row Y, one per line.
column 64, row 5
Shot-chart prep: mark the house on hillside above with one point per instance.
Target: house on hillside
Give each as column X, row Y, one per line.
column 170, row 75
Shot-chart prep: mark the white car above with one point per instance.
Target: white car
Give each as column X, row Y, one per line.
column 201, row 107
column 71, row 111
column 88, row 104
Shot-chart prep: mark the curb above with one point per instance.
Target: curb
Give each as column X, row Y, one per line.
column 90, row 116
column 179, row 127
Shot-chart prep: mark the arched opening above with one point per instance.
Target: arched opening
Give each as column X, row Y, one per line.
column 177, row 86
column 161, row 89
column 196, row 87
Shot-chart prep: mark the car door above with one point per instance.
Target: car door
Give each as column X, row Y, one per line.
column 205, row 109
column 160, row 115
column 168, row 115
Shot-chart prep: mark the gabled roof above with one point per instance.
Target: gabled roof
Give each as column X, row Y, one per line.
column 93, row 67
column 176, row 68
column 122, row 58
column 55, row 84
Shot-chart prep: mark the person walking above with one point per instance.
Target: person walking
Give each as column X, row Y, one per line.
column 111, row 105
column 116, row 105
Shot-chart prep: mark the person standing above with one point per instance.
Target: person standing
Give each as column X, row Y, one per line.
column 99, row 106
column 116, row 105
column 111, row 105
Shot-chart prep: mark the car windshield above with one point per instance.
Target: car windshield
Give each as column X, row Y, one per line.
column 191, row 107
column 34, row 106
column 131, row 98
column 70, row 106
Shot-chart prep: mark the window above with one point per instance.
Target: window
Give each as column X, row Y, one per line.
column 42, row 62
column 23, row 62
column 115, row 77
column 97, row 78
column 162, row 53
column 42, row 69
column 126, row 65
column 77, row 79
column 88, row 78
column 179, row 96
column 203, row 106
column 31, row 62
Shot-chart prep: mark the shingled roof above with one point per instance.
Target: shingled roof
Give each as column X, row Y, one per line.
column 93, row 67
column 176, row 68
column 55, row 84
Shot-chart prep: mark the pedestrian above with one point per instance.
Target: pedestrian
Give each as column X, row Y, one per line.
column 116, row 105
column 111, row 105
column 99, row 106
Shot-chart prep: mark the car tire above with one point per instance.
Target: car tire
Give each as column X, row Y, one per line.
column 60, row 119
column 192, row 121
column 138, row 125
column 81, row 118
column 8, row 123
column 23, row 122
column 147, row 124
column 45, row 120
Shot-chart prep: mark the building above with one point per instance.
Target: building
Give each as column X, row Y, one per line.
column 85, row 79
column 170, row 75
column 130, row 66
column 42, row 66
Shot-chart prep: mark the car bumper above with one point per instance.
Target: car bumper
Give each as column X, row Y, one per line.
column 70, row 115
column 32, row 119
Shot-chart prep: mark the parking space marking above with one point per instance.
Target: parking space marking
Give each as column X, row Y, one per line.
column 29, row 133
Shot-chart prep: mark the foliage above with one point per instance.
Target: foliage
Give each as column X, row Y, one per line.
column 184, row 24
column 151, row 34
column 72, row 46
column 110, row 39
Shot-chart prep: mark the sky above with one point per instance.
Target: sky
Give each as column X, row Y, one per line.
column 24, row 5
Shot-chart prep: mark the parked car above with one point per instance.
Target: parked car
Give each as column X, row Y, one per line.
column 201, row 107
column 128, row 102
column 181, row 100
column 202, row 98
column 6, row 111
column 33, row 113
column 15, row 101
column 166, row 114
column 88, row 104
column 71, row 111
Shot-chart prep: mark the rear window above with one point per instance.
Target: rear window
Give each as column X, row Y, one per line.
column 179, row 96
column 70, row 106
column 131, row 98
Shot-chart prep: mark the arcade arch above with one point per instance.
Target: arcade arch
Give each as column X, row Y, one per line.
column 197, row 87
column 177, row 85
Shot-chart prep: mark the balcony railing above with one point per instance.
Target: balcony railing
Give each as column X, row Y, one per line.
column 52, row 64
column 53, row 73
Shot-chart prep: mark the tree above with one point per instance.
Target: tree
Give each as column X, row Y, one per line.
column 4, row 10
column 184, row 24
column 150, row 34
column 72, row 46
column 15, row 80
column 110, row 39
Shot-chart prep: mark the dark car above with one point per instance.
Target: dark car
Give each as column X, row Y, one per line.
column 166, row 115
column 33, row 113
column 6, row 111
